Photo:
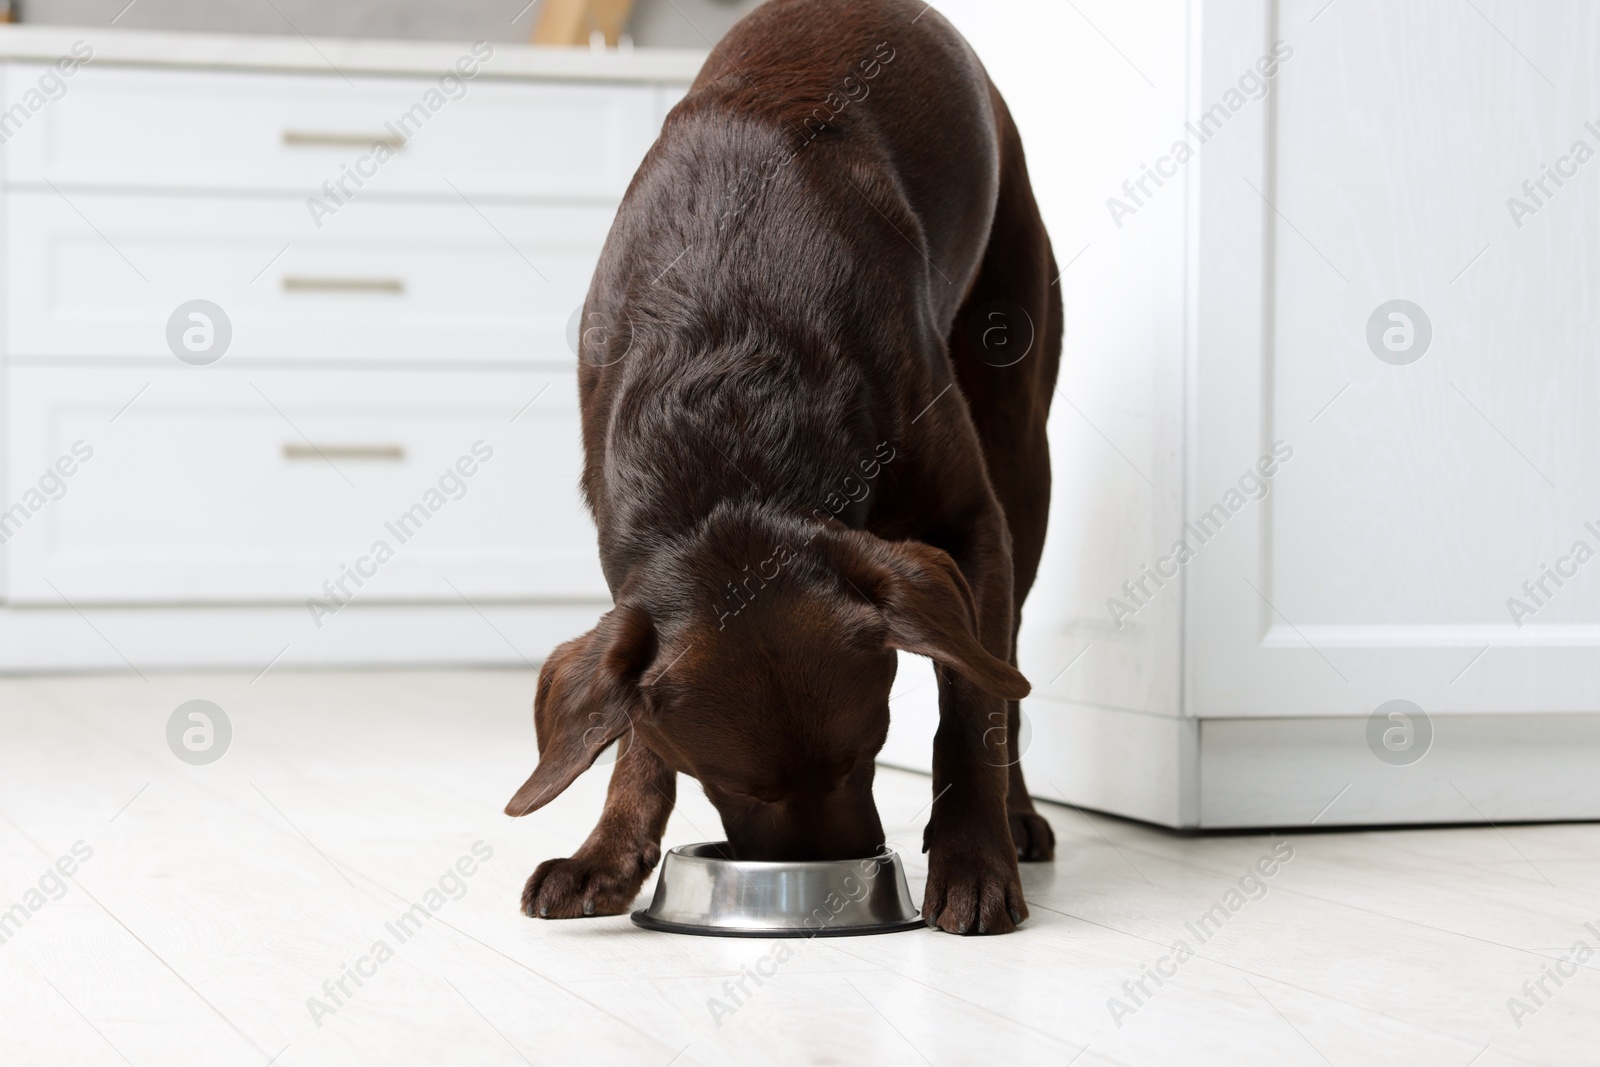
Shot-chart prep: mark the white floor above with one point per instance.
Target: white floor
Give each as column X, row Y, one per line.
column 219, row 899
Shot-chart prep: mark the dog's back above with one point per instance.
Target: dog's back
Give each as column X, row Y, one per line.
column 740, row 318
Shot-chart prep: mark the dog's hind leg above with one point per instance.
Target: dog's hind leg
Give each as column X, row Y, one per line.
column 1006, row 347
column 605, row 874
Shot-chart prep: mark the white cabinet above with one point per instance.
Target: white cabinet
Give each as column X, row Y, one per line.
column 384, row 283
column 1429, row 483
column 1238, row 298
column 216, row 485
column 287, row 369
column 230, row 130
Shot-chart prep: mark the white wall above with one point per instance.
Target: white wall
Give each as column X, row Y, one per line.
column 685, row 23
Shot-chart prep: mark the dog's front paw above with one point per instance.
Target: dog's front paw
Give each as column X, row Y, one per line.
column 602, row 883
column 1031, row 833
column 973, row 892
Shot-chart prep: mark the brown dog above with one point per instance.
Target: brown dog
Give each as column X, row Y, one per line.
column 815, row 434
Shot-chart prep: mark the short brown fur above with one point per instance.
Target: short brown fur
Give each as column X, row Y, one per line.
column 803, row 454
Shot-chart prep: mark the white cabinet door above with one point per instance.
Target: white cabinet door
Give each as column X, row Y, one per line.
column 214, row 485
column 102, row 276
column 127, row 128
column 1441, row 458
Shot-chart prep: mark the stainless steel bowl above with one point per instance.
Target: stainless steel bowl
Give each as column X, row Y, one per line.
column 701, row 892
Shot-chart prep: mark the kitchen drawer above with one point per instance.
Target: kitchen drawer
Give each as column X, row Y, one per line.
column 102, row 276
column 126, row 128
column 232, row 486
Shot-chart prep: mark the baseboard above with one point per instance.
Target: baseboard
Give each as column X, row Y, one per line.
column 1480, row 768
column 1289, row 773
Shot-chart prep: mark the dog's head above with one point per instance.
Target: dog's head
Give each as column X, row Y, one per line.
column 764, row 674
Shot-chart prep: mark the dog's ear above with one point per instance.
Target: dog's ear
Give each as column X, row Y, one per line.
column 588, row 696
column 927, row 605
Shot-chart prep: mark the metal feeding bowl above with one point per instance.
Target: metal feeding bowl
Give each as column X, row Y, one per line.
column 702, row 892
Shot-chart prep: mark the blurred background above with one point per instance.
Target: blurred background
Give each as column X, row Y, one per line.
column 292, row 291
column 290, row 308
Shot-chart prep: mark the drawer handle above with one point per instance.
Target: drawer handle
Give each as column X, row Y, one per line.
column 307, row 139
column 390, row 453
column 343, row 285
